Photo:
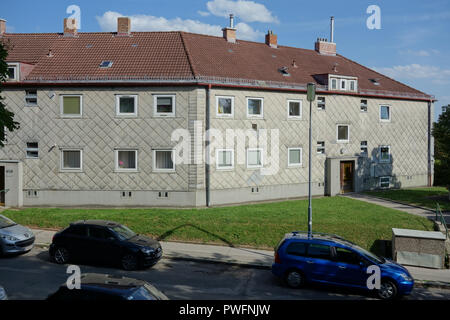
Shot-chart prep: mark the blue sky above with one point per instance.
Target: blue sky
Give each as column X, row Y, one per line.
column 412, row 46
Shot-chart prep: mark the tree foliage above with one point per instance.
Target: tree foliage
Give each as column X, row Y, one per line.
column 441, row 134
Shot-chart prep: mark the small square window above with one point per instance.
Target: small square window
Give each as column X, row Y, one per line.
column 385, row 113
column 164, row 105
column 385, row 154
column 294, row 157
column 364, row 149
column 31, row 98
column 385, row 182
column 126, row 105
column 32, row 150
column 321, row 147
column 225, row 158
column 71, row 105
column 363, row 105
column 254, row 158
column 225, row 106
column 71, row 160
column 254, row 107
column 321, row 103
column 343, row 133
column 126, row 160
column 294, row 109
column 163, row 160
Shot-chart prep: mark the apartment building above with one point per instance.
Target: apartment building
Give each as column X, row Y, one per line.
column 99, row 113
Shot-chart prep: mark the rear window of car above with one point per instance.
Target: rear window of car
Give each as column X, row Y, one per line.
column 319, row 251
column 296, row 249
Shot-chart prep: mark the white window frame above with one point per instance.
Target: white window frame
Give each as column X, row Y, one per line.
column 135, row 97
column 337, row 133
column 301, row 109
column 337, row 83
column 390, row 112
column 62, row 160
column 61, row 102
column 217, row 157
column 31, row 96
column 319, row 146
column 319, row 102
column 366, row 106
column 31, row 150
column 380, row 160
column 16, row 72
column 164, row 114
column 225, row 115
column 261, row 115
column 116, row 160
column 355, row 88
column 343, row 81
column 155, row 169
column 361, row 146
column 389, row 183
column 301, row 157
column 262, row 158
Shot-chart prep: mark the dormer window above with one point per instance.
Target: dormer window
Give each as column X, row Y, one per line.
column 342, row 83
column 13, row 72
column 284, row 71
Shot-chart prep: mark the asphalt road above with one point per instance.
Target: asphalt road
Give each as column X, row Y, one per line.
column 33, row 276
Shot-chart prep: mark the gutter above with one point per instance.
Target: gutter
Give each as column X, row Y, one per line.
column 207, row 145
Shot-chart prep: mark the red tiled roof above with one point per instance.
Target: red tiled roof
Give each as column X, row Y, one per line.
column 181, row 55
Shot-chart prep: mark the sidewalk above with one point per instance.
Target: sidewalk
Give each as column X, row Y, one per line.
column 252, row 258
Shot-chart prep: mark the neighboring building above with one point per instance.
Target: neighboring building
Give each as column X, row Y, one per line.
column 97, row 111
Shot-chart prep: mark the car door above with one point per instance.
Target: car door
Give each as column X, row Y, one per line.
column 295, row 255
column 320, row 264
column 75, row 241
column 351, row 269
column 103, row 244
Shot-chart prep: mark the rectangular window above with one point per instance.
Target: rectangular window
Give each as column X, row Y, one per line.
column 71, row 105
column 385, row 113
column 71, row 160
column 319, row 251
column 385, row 182
column 364, row 149
column 333, row 84
column 321, row 103
column 352, row 85
column 343, row 133
column 164, row 105
column 255, row 107
column 126, row 160
column 32, row 150
column 363, row 106
column 254, row 158
column 126, row 105
column 12, row 72
column 163, row 160
column 321, row 147
column 31, row 98
column 343, row 84
column 294, row 157
column 225, row 158
column 224, row 106
column 385, row 154
column 294, row 109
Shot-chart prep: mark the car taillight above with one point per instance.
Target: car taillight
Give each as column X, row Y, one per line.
column 277, row 258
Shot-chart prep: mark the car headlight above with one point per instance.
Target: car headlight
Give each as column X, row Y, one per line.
column 406, row 277
column 8, row 238
column 147, row 250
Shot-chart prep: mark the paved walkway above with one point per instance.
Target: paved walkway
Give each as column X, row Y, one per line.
column 247, row 257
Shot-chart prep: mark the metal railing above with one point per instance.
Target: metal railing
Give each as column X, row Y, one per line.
column 440, row 216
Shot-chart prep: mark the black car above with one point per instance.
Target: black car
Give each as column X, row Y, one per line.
column 96, row 286
column 104, row 242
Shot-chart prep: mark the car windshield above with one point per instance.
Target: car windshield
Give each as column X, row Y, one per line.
column 6, row 222
column 370, row 255
column 123, row 232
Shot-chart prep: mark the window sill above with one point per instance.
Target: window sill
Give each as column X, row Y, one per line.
column 126, row 116
column 164, row 171
column 294, row 118
column 70, row 171
column 295, row 166
column 70, row 117
column 126, row 171
column 224, row 169
column 164, row 115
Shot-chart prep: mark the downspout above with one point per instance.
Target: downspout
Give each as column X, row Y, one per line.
column 207, row 144
column 430, row 176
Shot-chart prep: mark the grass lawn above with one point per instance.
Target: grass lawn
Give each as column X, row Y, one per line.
column 257, row 225
column 424, row 197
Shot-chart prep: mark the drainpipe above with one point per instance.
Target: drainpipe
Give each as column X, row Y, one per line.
column 430, row 122
column 207, row 145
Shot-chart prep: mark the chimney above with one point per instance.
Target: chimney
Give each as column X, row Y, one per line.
column 2, row 27
column 230, row 33
column 324, row 47
column 271, row 39
column 70, row 27
column 123, row 26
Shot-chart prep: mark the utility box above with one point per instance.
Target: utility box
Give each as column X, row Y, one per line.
column 418, row 248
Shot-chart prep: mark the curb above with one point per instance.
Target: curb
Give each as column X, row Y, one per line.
column 431, row 284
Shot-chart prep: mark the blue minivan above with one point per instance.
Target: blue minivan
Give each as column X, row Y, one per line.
column 329, row 259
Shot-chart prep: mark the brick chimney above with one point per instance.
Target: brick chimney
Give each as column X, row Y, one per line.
column 271, row 39
column 2, row 27
column 123, row 26
column 323, row 46
column 230, row 33
column 70, row 27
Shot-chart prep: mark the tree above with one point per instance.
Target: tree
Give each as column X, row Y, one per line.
column 6, row 117
column 441, row 134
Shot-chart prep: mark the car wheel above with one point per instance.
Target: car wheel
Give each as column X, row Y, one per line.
column 61, row 255
column 129, row 262
column 388, row 290
column 295, row 279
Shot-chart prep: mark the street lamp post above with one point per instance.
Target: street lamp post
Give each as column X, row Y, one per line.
column 311, row 96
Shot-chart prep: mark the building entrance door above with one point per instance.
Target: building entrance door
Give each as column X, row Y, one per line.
column 347, row 168
column 2, row 186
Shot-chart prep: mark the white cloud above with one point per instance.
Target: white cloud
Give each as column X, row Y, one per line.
column 248, row 11
column 108, row 22
column 203, row 13
column 416, row 71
